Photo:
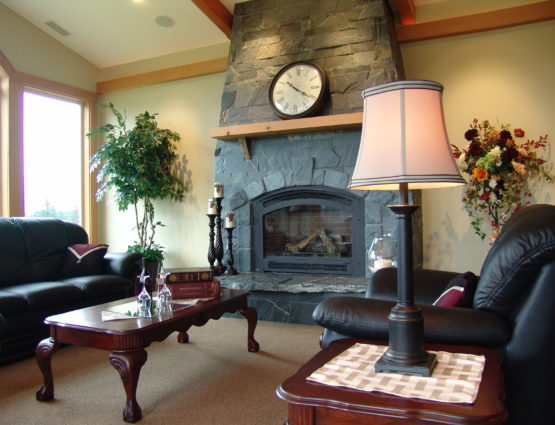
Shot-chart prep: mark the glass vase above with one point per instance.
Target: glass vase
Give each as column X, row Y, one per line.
column 382, row 252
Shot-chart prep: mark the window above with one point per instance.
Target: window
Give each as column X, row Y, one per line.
column 35, row 144
column 52, row 171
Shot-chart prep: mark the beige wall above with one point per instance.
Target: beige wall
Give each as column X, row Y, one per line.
column 167, row 61
column 503, row 75
column 34, row 52
column 190, row 107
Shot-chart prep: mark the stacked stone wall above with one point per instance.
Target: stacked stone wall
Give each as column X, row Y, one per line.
column 350, row 40
column 353, row 42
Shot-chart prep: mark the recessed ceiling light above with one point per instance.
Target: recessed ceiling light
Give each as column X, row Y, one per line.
column 164, row 21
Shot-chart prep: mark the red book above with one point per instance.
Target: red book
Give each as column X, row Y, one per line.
column 189, row 274
column 185, row 290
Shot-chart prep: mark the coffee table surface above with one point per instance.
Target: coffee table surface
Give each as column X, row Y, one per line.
column 91, row 317
column 315, row 403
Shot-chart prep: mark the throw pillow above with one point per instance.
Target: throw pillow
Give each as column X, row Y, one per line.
column 459, row 292
column 451, row 297
column 84, row 260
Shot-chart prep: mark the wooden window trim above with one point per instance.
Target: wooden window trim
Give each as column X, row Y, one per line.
column 11, row 142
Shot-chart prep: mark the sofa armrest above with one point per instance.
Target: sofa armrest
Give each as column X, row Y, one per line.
column 125, row 264
column 368, row 319
column 428, row 284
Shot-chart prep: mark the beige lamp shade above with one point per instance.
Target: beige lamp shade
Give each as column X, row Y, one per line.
column 404, row 139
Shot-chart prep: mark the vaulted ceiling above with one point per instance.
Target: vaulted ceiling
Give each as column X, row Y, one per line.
column 114, row 32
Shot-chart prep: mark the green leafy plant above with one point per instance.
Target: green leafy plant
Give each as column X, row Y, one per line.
column 153, row 253
column 140, row 165
column 497, row 166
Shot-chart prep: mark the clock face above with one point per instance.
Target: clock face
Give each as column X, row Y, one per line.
column 298, row 90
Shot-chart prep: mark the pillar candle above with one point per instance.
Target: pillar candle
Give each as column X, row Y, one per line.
column 229, row 220
column 212, row 207
column 218, row 190
column 380, row 264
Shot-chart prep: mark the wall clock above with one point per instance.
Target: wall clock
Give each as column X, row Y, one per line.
column 298, row 90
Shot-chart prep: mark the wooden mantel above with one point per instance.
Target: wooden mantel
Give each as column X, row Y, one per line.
column 241, row 132
column 280, row 128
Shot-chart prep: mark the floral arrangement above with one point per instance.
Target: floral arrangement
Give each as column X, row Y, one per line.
column 497, row 165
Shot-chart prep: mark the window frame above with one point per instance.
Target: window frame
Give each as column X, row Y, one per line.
column 12, row 85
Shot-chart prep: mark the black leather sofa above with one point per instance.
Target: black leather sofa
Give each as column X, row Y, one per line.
column 512, row 312
column 34, row 283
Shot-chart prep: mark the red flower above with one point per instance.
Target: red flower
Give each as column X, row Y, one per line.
column 474, row 149
column 509, row 154
column 505, row 135
column 519, row 132
column 485, row 196
column 471, row 134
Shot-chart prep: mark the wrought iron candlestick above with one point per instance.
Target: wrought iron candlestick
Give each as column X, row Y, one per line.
column 230, row 270
column 211, row 248
column 219, row 268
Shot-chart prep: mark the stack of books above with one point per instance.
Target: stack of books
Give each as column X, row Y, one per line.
column 192, row 282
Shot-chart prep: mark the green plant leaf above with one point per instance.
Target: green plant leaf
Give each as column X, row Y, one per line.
column 139, row 164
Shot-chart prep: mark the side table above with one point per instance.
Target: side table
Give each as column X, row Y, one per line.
column 310, row 403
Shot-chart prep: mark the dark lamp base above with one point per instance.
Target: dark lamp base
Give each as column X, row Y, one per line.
column 423, row 368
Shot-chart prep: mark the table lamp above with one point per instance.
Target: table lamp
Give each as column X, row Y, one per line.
column 404, row 146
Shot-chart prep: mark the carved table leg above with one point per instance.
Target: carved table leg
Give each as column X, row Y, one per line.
column 128, row 364
column 183, row 337
column 43, row 354
column 252, row 319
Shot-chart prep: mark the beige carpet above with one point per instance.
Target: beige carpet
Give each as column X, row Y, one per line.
column 213, row 380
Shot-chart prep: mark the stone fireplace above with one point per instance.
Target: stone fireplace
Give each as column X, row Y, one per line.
column 293, row 211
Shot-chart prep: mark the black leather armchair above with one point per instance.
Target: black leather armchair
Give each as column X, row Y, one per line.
column 513, row 312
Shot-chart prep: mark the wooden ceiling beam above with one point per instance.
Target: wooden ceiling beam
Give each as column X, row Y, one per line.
column 502, row 18
column 217, row 13
column 175, row 73
column 404, row 9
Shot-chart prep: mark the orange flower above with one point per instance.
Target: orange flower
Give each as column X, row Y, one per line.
column 481, row 174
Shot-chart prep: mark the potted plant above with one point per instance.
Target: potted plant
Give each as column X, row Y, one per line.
column 140, row 165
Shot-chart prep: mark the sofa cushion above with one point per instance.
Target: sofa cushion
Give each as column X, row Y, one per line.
column 84, row 260
column 15, row 267
column 100, row 285
column 46, row 242
column 46, row 294
column 11, row 303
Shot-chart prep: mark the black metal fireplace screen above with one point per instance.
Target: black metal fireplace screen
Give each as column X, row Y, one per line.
column 309, row 229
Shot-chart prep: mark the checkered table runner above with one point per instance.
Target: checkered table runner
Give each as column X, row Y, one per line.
column 455, row 379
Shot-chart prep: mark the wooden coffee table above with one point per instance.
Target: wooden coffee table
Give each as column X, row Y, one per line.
column 311, row 403
column 128, row 338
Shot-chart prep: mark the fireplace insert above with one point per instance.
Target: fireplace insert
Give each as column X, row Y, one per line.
column 309, row 229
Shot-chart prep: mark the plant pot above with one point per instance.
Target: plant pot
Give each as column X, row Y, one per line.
column 152, row 269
